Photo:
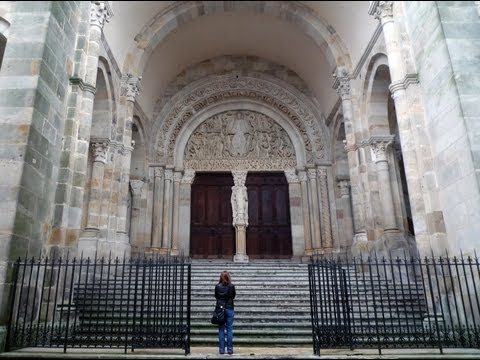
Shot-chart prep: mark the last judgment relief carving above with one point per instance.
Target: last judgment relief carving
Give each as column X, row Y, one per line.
column 239, row 139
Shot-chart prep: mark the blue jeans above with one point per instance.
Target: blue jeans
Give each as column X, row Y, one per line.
column 228, row 326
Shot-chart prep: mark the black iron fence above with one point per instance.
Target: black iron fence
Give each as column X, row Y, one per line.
column 395, row 303
column 122, row 303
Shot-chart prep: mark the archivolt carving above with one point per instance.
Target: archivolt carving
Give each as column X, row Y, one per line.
column 239, row 138
column 229, row 87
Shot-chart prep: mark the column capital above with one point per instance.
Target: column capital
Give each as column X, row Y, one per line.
column 291, row 175
column 342, row 83
column 158, row 172
column 99, row 150
column 302, row 175
column 130, row 86
column 344, row 187
column 188, row 176
column 312, row 174
column 168, row 174
column 100, row 13
column 177, row 176
column 381, row 10
column 379, row 146
column 136, row 186
column 321, row 171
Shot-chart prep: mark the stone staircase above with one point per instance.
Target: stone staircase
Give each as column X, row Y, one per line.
column 272, row 306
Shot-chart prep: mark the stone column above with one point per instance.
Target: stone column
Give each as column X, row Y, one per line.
column 342, row 85
column 177, row 177
column 296, row 217
column 136, row 186
column 313, row 207
column 130, row 89
column 157, row 226
column 240, row 214
column 325, row 220
column 100, row 153
column 185, row 211
column 344, row 188
column 401, row 80
column 302, row 176
column 379, row 148
column 167, row 212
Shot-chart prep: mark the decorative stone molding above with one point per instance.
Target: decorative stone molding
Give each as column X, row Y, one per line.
column 100, row 151
column 136, row 186
column 344, row 187
column 82, row 85
column 130, row 86
column 403, row 84
column 381, row 10
column 292, row 177
column 100, row 13
column 352, row 147
column 224, row 88
column 342, row 83
column 188, row 176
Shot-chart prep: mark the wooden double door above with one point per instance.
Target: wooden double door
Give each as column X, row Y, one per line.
column 212, row 234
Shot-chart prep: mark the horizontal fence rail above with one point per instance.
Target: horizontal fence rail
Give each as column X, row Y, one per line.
column 108, row 303
column 395, row 303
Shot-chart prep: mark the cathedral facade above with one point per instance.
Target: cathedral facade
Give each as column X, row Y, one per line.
column 238, row 130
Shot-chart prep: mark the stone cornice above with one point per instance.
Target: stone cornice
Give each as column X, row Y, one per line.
column 403, row 84
column 82, row 85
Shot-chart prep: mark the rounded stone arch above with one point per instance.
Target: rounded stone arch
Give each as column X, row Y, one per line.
column 138, row 163
column 239, row 104
column 377, row 96
column 302, row 113
column 103, row 118
column 172, row 17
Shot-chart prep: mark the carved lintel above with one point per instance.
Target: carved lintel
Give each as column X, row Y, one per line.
column 239, row 164
column 100, row 13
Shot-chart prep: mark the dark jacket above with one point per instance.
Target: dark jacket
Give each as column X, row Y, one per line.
column 225, row 294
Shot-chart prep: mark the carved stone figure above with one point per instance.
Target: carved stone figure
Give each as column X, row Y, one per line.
column 239, row 202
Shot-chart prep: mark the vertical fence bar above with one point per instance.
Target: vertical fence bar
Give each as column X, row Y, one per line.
column 107, row 338
column 450, row 316
column 189, row 303
column 32, row 316
column 374, row 305
column 389, row 297
column 465, row 315
column 116, row 339
column 13, row 291
column 26, row 302
column 432, row 294
column 19, row 310
column 437, row 281
column 62, row 306
column 411, row 300
column 472, row 274
column 452, row 284
column 77, row 303
column 41, row 298
column 405, row 310
column 54, row 308
column 384, row 332
column 69, row 303
column 350, row 308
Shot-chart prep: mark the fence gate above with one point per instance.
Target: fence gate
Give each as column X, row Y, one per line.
column 129, row 303
column 329, row 305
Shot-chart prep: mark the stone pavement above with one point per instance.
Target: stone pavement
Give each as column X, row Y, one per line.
column 242, row 353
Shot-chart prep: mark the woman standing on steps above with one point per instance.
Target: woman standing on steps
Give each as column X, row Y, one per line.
column 225, row 293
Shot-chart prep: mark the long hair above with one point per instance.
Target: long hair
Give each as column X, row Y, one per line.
column 225, row 278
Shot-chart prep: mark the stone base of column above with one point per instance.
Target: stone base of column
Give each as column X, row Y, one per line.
column 122, row 245
column 309, row 252
column 87, row 246
column 394, row 244
column 361, row 246
column 174, row 252
column 241, row 258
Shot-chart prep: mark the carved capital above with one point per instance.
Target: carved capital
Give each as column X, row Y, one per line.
column 177, row 176
column 379, row 146
column 168, row 175
column 100, row 151
column 291, row 176
column 382, row 10
column 239, row 177
column 188, row 176
column 302, row 176
column 321, row 172
column 342, row 83
column 100, row 13
column 312, row 174
column 130, row 86
column 137, row 186
column 158, row 172
column 344, row 187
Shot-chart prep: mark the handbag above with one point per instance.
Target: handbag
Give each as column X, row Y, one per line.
column 218, row 316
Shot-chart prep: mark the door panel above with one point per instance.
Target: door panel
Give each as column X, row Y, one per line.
column 211, row 231
column 269, row 230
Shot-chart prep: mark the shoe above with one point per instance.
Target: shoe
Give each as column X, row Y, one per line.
column 230, row 353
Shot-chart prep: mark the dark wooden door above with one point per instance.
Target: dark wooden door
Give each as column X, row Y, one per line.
column 269, row 232
column 212, row 234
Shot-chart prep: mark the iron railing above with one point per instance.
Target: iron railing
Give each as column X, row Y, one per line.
column 432, row 302
column 122, row 303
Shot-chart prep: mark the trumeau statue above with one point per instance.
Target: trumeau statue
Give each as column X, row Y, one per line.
column 239, row 202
